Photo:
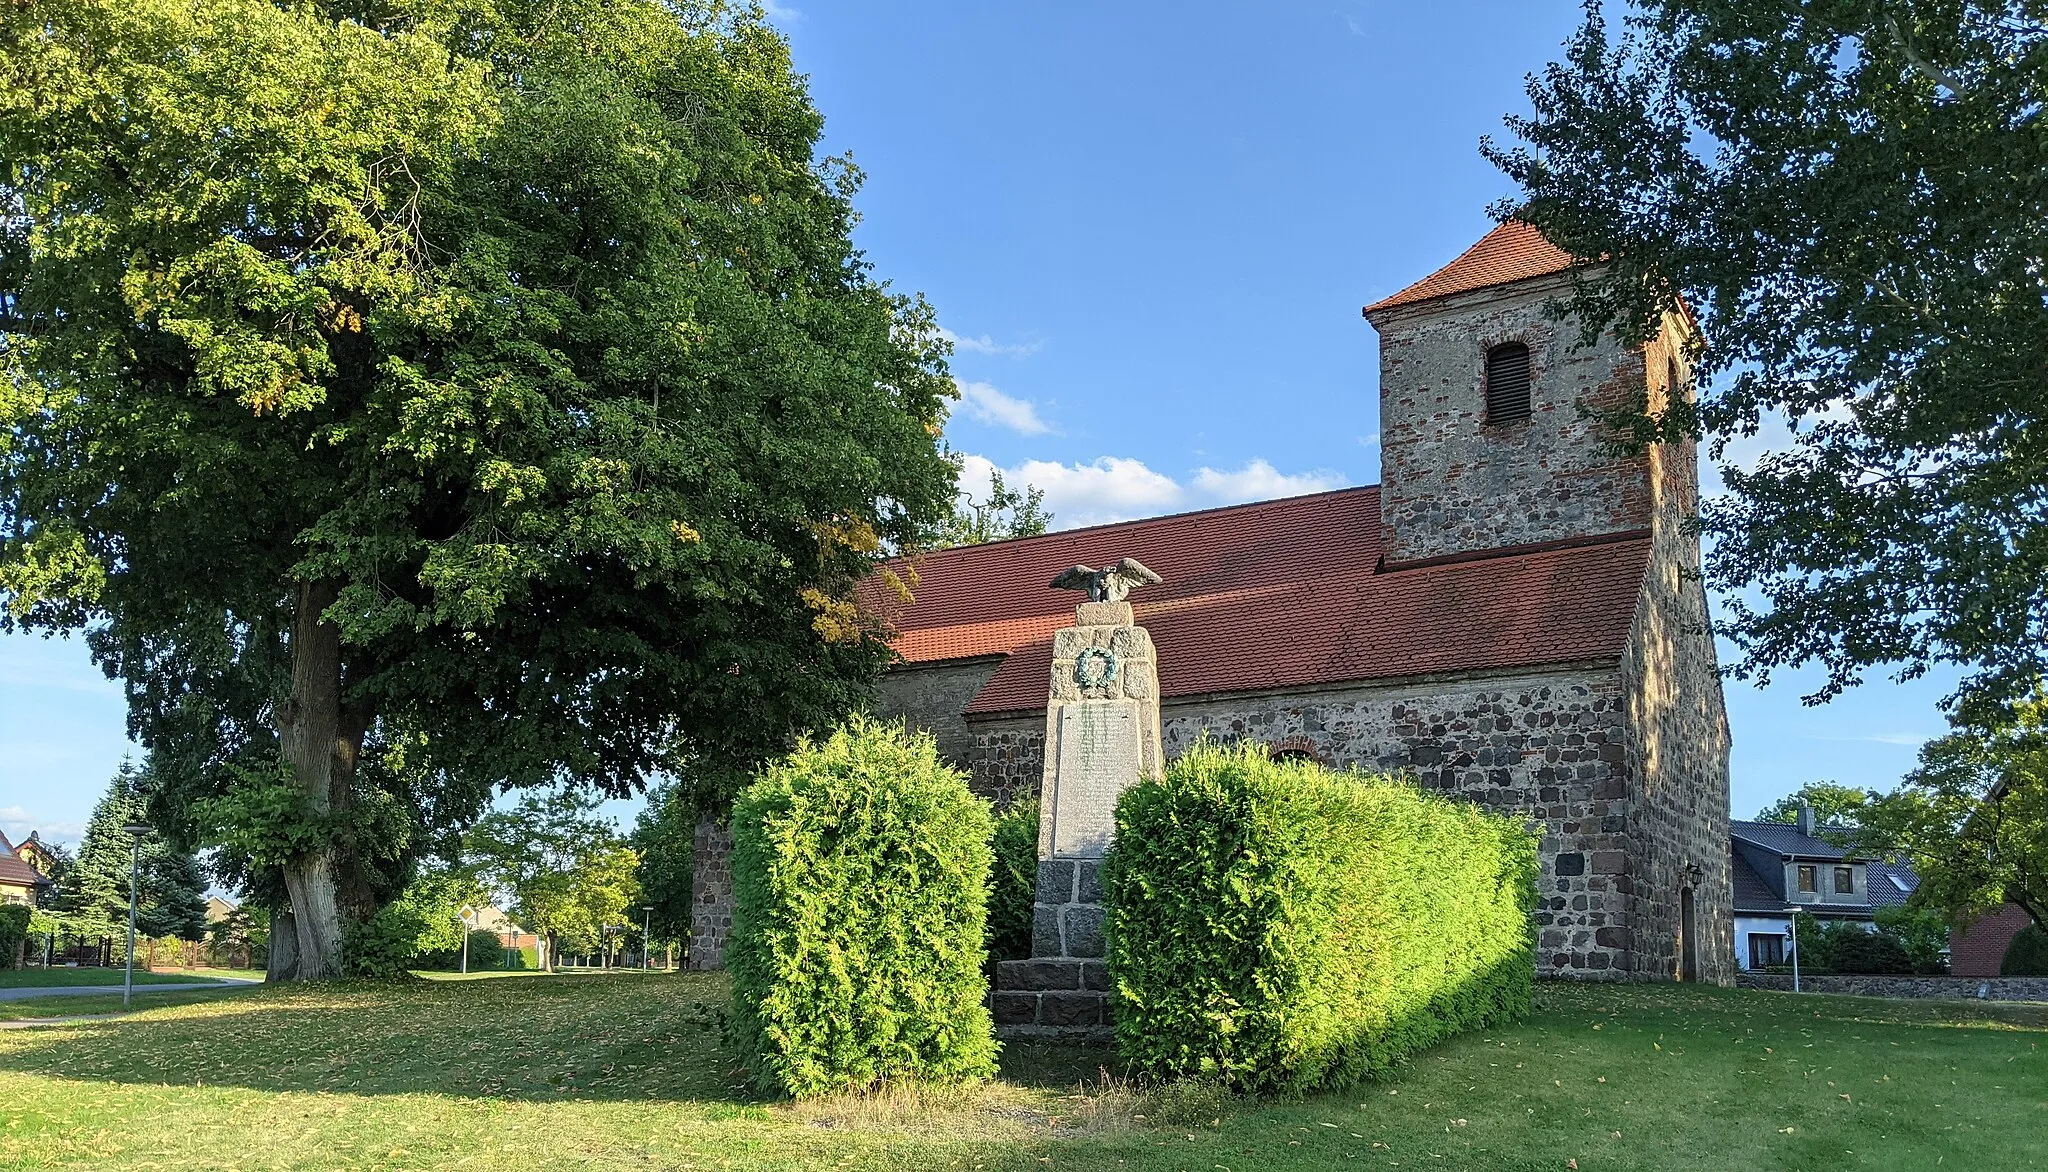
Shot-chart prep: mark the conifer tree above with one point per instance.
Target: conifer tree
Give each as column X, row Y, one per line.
column 170, row 889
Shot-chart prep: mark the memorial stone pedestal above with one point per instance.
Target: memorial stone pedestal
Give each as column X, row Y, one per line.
column 1101, row 736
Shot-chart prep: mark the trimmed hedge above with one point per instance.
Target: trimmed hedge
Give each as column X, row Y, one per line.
column 14, row 919
column 2027, row 955
column 1279, row 927
column 1013, row 890
column 860, row 881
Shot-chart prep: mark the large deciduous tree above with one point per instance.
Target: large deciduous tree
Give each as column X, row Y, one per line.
column 416, row 398
column 1854, row 198
column 566, row 870
column 1972, row 819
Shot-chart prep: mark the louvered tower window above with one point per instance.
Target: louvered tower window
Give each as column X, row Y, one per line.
column 1507, row 383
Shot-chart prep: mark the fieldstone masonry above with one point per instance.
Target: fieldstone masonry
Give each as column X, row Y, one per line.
column 1102, row 734
column 711, row 900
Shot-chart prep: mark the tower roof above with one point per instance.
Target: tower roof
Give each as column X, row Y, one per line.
column 1514, row 251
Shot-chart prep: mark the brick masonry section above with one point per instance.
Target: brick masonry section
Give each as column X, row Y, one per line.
column 711, row 899
column 1933, row 988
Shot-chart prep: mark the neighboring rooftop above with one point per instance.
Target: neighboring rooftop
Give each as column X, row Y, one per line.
column 14, row 870
column 1514, row 251
column 1275, row 595
column 1789, row 842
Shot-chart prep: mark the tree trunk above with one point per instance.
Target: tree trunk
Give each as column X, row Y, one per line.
column 321, row 739
column 284, row 947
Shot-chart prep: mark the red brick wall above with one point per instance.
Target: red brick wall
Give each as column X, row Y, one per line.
column 1975, row 951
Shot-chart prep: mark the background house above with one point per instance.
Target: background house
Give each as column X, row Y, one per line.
column 20, row 880
column 1777, row 865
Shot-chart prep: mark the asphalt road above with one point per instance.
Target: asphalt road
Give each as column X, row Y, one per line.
column 101, row 990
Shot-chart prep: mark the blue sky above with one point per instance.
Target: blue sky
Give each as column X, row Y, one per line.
column 1150, row 227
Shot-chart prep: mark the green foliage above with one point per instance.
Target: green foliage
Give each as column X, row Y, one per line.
column 1833, row 804
column 1972, row 818
column 2027, row 955
column 566, row 869
column 1005, row 514
column 170, row 890
column 385, row 945
column 509, row 366
column 1854, row 950
column 13, row 933
column 861, row 876
column 1279, row 927
column 1013, row 885
column 1921, row 932
column 1833, row 189
column 486, row 951
column 665, row 837
column 435, row 899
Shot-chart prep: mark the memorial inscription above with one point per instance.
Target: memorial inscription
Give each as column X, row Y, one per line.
column 1097, row 758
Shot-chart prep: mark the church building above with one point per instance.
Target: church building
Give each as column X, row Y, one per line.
column 1514, row 616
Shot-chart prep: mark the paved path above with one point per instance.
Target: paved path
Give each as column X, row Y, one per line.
column 99, row 990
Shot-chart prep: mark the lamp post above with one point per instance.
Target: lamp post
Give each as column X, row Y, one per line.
column 469, row 916
column 646, row 937
column 135, row 832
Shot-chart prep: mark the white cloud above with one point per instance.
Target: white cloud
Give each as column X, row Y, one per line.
column 986, row 403
column 1117, row 488
column 780, row 13
column 987, row 345
column 17, row 822
column 1259, row 481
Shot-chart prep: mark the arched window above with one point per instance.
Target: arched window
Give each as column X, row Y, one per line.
column 1507, row 383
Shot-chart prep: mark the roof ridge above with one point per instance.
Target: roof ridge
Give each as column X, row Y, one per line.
column 1051, row 534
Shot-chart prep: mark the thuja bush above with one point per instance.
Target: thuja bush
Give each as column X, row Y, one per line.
column 13, row 933
column 1014, row 885
column 860, row 878
column 2027, row 955
column 1278, row 927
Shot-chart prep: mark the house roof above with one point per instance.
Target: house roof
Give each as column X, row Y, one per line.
column 1890, row 884
column 1514, row 251
column 1786, row 840
column 1275, row 595
column 1754, row 895
column 14, row 870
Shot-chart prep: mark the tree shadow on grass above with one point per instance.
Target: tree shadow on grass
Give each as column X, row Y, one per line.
column 627, row 1038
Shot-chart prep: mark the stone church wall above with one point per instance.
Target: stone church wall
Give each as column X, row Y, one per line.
column 1453, row 483
column 932, row 698
column 1550, row 746
column 1678, row 744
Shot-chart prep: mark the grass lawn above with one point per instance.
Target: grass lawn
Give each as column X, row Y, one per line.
column 45, row 978
column 627, row 1071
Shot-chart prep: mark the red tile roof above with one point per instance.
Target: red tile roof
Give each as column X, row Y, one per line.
column 1512, row 252
column 1279, row 594
column 15, row 871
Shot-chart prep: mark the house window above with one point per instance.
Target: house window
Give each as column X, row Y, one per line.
column 1809, row 879
column 1507, row 383
column 1766, row 951
column 1845, row 881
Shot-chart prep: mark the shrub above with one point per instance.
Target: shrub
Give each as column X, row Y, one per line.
column 13, row 933
column 1014, row 887
column 2027, row 955
column 1858, row 951
column 385, row 945
column 1278, row 927
column 860, row 878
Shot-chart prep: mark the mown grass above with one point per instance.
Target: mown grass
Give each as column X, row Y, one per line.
column 629, row 1071
column 48, row 978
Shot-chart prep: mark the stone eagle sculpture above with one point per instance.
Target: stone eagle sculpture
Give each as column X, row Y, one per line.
column 1108, row 585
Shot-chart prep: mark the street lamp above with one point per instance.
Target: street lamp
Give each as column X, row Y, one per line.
column 647, row 938
column 135, row 832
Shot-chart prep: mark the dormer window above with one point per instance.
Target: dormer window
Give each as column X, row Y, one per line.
column 1845, row 880
column 1507, row 383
